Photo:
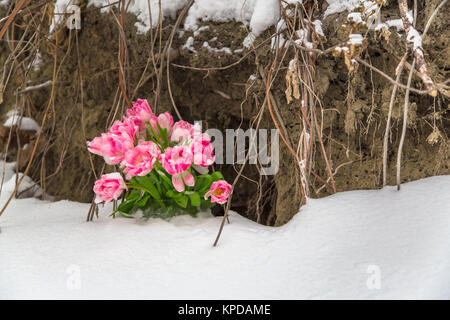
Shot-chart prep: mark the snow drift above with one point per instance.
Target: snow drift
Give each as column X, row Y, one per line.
column 358, row 244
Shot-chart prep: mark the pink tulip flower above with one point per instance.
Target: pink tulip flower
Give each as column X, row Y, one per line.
column 111, row 147
column 109, row 187
column 179, row 180
column 141, row 109
column 126, row 129
column 165, row 121
column 115, row 147
column 203, row 151
column 182, row 131
column 176, row 160
column 219, row 192
column 139, row 161
column 95, row 146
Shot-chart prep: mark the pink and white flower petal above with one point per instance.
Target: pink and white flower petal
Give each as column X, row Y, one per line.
column 188, row 178
column 177, row 182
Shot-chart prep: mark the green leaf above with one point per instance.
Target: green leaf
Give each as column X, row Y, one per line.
column 207, row 204
column 163, row 176
column 217, row 175
column 151, row 138
column 203, row 181
column 191, row 210
column 147, row 185
column 195, row 199
column 163, row 134
column 142, row 202
column 161, row 203
column 155, row 135
column 182, row 200
column 166, row 186
column 126, row 215
column 126, row 206
column 134, row 195
column 170, row 194
column 156, row 181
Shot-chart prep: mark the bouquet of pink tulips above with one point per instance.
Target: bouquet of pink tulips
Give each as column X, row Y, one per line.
column 165, row 165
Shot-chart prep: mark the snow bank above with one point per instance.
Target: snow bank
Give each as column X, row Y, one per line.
column 337, row 247
column 27, row 189
column 23, row 123
column 258, row 14
column 140, row 8
column 7, row 171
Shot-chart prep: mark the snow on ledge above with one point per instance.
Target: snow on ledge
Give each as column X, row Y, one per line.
column 24, row 123
column 258, row 14
column 331, row 249
column 336, row 6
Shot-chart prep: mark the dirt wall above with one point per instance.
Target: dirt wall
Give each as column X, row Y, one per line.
column 353, row 117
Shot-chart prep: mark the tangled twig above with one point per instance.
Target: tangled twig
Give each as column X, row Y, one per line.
column 416, row 50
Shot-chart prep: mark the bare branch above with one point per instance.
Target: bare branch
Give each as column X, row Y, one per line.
column 416, row 50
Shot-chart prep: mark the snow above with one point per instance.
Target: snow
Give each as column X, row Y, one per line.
column 169, row 8
column 249, row 39
column 362, row 244
column 7, row 171
column 189, row 45
column 27, row 189
column 216, row 50
column 318, row 27
column 197, row 32
column 61, row 7
column 336, row 6
column 414, row 37
column 355, row 17
column 302, row 40
column 24, row 123
column 355, row 39
column 258, row 14
column 277, row 42
column 409, row 16
column 265, row 14
column 339, row 49
column 396, row 23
